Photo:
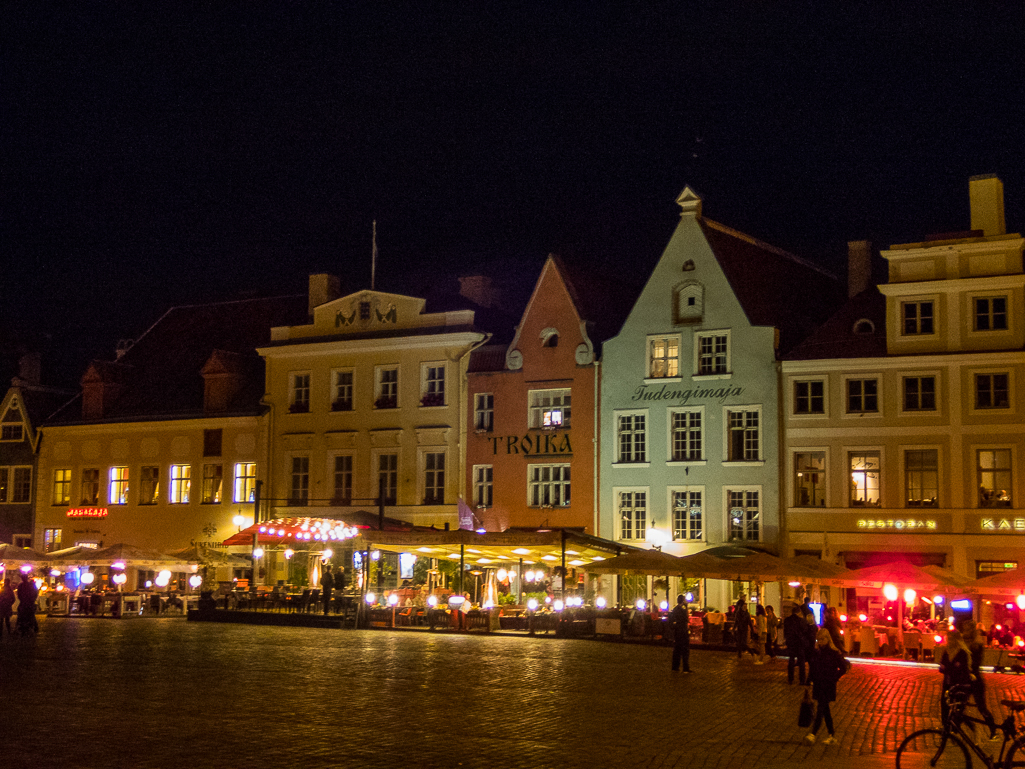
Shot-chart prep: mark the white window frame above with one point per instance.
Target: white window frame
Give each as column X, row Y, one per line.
column 244, row 486
column 632, row 414
column 393, row 474
column 1008, row 316
column 483, row 486
column 298, row 493
column 795, row 469
column 728, row 510
column 671, row 436
column 4, row 426
column 430, row 385
column 633, row 529
column 117, row 487
column 552, row 405
column 917, row 302
column 977, row 471
column 710, row 334
column 335, row 474
column 974, row 406
column 855, row 451
column 688, row 518
column 905, row 475
column 878, row 379
column 667, row 359
column 180, row 488
column 382, row 389
column 556, row 488
column 937, row 382
column 484, row 412
column 727, row 430
column 9, row 485
column 299, row 392
column 795, row 384
column 338, row 390
column 432, row 492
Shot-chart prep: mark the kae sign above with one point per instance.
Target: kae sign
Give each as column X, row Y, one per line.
column 533, row 444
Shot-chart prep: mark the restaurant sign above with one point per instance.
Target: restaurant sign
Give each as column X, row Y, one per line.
column 897, row 524
column 1003, row 524
column 529, row 445
column 87, row 512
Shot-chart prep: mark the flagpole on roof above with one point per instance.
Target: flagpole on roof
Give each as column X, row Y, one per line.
column 373, row 258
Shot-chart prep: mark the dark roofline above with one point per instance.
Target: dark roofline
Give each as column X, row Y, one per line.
column 768, row 247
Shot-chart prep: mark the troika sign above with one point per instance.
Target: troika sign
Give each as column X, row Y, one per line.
column 683, row 396
column 532, row 444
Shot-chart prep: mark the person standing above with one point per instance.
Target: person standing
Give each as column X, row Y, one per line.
column 760, row 632
column 6, row 606
column 772, row 633
column 832, row 624
column 826, row 667
column 956, row 667
column 794, row 634
column 741, row 626
column 327, row 584
column 679, row 625
column 27, row 594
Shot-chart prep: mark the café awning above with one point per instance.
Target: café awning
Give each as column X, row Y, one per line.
column 292, row 531
column 1004, row 583
column 19, row 556
column 542, row 546
column 653, row 563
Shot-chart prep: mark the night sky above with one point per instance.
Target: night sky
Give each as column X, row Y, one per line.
column 161, row 153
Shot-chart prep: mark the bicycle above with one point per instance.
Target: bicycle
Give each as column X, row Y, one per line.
column 951, row 746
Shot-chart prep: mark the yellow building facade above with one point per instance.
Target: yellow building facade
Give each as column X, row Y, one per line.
column 370, row 395
column 904, row 418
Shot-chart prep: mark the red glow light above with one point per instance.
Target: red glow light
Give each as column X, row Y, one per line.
column 87, row 512
column 843, row 617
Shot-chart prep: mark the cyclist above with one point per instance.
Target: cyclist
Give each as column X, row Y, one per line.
column 956, row 667
column 970, row 633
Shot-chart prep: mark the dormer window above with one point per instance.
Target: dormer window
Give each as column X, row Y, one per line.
column 864, row 326
column 689, row 303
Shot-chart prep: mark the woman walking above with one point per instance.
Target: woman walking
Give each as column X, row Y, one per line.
column 772, row 629
column 826, row 667
column 760, row 632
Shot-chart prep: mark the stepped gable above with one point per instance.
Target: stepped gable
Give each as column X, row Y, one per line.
column 774, row 287
column 846, row 334
column 163, row 368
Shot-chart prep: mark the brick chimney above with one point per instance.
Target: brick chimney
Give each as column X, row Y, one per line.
column 102, row 384
column 859, row 266
column 222, row 379
column 323, row 289
column 986, row 194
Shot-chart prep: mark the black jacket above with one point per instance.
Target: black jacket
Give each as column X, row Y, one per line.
column 795, row 632
column 825, row 669
column 679, row 622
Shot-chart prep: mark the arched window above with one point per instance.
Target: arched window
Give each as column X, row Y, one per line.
column 864, row 326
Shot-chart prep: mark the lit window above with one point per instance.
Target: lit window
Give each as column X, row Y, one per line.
column 743, row 439
column 810, row 479
column 432, row 385
column 922, row 480
column 51, row 540
column 862, row 396
column 744, row 515
column 663, row 357
column 688, row 522
column 632, row 438
column 919, row 393
column 299, row 395
column 809, row 397
column 343, row 480
column 918, row 318
column 62, row 487
column 212, row 482
column 149, row 485
column 245, row 481
column 484, row 412
column 633, row 514
column 994, row 473
column 434, row 478
column 548, row 485
column 865, row 479
column 991, row 313
column 300, row 485
column 483, row 492
column 549, row 408
column 713, row 354
column 341, row 399
column 181, row 484
column 119, row 485
column 991, row 391
column 687, row 443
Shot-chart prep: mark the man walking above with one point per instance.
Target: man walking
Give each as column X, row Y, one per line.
column 741, row 625
column 679, row 631
column 795, row 633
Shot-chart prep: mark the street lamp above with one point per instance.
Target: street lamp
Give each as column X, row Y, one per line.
column 238, row 520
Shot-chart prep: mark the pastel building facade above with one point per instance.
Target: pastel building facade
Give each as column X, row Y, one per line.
column 904, row 419
column 689, row 395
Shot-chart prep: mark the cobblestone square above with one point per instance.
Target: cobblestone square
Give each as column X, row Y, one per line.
column 165, row 693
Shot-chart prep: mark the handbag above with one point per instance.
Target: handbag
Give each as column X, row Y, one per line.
column 807, row 712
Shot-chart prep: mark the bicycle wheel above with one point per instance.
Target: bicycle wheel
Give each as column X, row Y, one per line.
column 932, row 748
column 1016, row 754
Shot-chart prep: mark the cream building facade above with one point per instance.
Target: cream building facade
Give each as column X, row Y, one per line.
column 904, row 416
column 371, row 392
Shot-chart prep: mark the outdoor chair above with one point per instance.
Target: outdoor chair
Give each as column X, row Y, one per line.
column 869, row 642
column 912, row 644
column 928, row 644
